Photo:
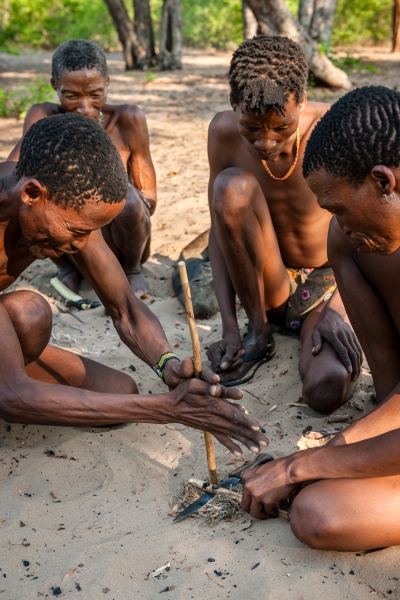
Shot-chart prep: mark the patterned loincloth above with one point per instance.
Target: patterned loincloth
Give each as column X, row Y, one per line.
column 308, row 289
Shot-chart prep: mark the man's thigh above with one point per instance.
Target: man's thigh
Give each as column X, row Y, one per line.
column 58, row 366
column 348, row 514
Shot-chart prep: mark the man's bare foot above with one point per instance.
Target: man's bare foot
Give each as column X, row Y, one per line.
column 71, row 279
column 138, row 283
column 258, row 349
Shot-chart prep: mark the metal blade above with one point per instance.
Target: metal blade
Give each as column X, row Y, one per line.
column 200, row 502
column 231, row 482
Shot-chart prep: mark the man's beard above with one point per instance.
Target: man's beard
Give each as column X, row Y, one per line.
column 37, row 252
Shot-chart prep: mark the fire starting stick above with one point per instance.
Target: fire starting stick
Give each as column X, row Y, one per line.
column 212, row 466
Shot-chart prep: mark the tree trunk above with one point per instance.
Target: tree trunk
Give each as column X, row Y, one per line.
column 170, row 52
column 306, row 11
column 134, row 52
column 249, row 22
column 322, row 21
column 143, row 27
column 274, row 16
column 396, row 26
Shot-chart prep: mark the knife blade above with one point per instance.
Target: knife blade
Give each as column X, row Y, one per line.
column 234, row 478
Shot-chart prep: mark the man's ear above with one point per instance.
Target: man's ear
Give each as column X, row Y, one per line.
column 384, row 178
column 32, row 192
column 303, row 103
column 53, row 84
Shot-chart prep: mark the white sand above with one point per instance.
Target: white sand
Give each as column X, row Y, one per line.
column 109, row 520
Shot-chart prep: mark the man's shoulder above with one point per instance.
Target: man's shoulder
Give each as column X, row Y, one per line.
column 42, row 110
column 223, row 127
column 128, row 115
column 313, row 113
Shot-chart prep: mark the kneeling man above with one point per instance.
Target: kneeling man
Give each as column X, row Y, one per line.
column 352, row 164
column 268, row 242
column 68, row 184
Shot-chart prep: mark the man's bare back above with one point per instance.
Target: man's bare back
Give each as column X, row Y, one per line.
column 300, row 224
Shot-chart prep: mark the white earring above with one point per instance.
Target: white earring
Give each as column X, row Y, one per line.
column 389, row 198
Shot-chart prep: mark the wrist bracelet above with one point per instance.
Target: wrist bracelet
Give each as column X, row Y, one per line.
column 164, row 358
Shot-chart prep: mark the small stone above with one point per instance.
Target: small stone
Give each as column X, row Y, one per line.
column 211, row 560
column 106, row 590
column 255, row 566
column 132, row 368
column 351, row 572
column 26, row 563
column 57, row 591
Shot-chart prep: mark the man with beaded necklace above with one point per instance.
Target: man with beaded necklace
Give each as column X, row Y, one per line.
column 268, row 242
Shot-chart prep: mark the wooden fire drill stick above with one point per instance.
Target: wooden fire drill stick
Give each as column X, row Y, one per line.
column 212, row 466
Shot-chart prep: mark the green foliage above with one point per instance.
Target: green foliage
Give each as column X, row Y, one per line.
column 17, row 102
column 149, row 76
column 38, row 24
column 48, row 23
column 360, row 21
column 215, row 23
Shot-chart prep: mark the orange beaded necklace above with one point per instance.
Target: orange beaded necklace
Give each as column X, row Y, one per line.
column 292, row 168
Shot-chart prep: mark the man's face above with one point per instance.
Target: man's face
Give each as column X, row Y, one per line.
column 371, row 223
column 52, row 230
column 83, row 92
column 268, row 133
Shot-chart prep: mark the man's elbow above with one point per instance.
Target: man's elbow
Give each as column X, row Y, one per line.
column 12, row 402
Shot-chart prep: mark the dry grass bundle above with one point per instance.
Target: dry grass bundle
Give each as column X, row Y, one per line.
column 218, row 509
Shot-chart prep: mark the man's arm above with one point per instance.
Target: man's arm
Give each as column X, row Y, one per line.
column 141, row 172
column 35, row 113
column 267, row 486
column 193, row 403
column 137, row 326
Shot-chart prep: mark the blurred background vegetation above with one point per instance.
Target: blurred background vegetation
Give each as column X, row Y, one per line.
column 44, row 24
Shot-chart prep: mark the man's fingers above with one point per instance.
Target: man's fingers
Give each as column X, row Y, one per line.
column 209, row 376
column 316, row 342
column 231, row 393
column 230, row 354
column 226, row 441
column 342, row 353
column 214, row 354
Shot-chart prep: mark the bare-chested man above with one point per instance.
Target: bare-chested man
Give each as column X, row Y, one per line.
column 352, row 164
column 80, row 78
column 68, row 184
column 268, row 242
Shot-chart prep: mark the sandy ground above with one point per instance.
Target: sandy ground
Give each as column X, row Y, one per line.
column 94, row 521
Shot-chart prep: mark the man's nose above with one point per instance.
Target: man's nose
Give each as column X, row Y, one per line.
column 265, row 145
column 84, row 108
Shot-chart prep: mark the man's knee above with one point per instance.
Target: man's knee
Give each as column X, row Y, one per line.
column 311, row 521
column 232, row 192
column 135, row 210
column 31, row 317
column 326, row 390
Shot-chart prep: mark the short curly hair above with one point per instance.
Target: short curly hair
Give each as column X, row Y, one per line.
column 361, row 130
column 75, row 159
column 75, row 55
column 265, row 71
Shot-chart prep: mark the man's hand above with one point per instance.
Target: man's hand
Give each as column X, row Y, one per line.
column 265, row 487
column 332, row 328
column 175, row 372
column 226, row 353
column 200, row 405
